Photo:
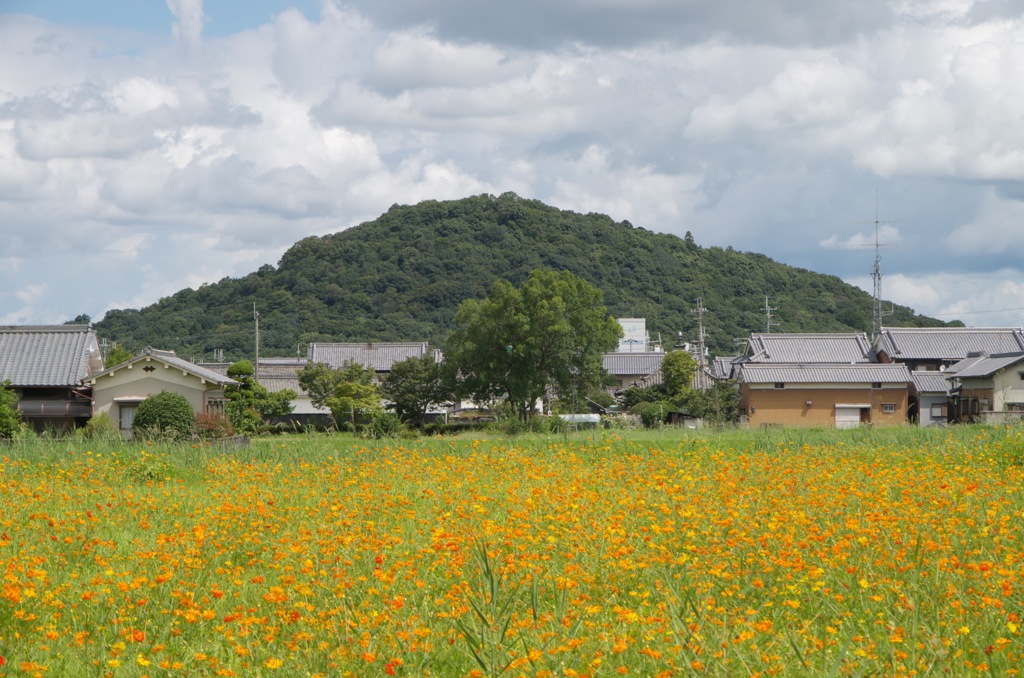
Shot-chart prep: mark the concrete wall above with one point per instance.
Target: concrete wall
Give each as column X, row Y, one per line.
column 788, row 406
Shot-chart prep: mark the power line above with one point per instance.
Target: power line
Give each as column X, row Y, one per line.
column 997, row 310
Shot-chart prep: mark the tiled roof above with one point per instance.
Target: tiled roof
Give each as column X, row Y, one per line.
column 170, row 358
column 57, row 355
column 721, row 367
column 378, row 357
column 863, row 373
column 947, row 343
column 625, row 364
column 853, row 347
column 983, row 365
column 931, row 382
column 276, row 374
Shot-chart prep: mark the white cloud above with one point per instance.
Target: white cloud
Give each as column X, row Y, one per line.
column 979, row 299
column 887, row 235
column 155, row 167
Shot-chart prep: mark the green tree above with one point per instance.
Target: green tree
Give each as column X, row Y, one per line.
column 319, row 381
column 252, row 401
column 355, row 395
column 519, row 343
column 677, row 370
column 414, row 385
column 717, row 405
column 10, row 417
column 166, row 413
column 117, row 355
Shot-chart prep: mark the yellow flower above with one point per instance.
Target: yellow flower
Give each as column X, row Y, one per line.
column 273, row 663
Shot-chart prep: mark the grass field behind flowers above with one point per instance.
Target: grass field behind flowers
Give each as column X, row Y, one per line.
column 889, row 552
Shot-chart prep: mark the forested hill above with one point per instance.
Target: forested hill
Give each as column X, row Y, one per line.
column 402, row 276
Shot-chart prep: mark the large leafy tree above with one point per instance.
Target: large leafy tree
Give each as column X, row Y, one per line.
column 355, row 395
column 677, row 370
column 520, row 342
column 414, row 385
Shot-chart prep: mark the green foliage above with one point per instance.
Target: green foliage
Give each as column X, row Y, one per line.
column 718, row 405
column 243, row 368
column 677, row 370
column 355, row 395
column 319, row 381
column 654, row 415
column 518, row 343
column 100, row 427
column 601, row 397
column 165, row 414
column 211, row 426
column 10, row 417
column 384, row 425
column 250, row 401
column 414, row 385
column 117, row 355
column 402, row 277
column 635, row 395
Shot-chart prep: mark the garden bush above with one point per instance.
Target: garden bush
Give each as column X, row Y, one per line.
column 100, row 427
column 210, row 426
column 165, row 414
column 656, row 414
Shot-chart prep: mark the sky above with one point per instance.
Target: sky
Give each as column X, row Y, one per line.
column 149, row 146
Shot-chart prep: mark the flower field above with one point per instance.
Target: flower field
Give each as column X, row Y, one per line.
column 567, row 556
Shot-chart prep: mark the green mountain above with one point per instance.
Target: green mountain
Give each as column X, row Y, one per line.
column 402, row 276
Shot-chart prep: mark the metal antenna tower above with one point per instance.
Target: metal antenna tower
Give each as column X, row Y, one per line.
column 878, row 311
column 768, row 317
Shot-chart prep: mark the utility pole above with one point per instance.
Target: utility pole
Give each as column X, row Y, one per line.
column 702, row 361
column 768, row 317
column 256, row 366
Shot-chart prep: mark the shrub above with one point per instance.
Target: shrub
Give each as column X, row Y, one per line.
column 384, row 425
column 10, row 417
column 243, row 368
column 100, row 427
column 210, row 426
column 656, row 414
column 165, row 414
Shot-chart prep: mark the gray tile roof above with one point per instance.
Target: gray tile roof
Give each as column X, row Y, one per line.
column 844, row 373
column 805, row 348
column 984, row 365
column 947, row 343
column 276, row 374
column 49, row 355
column 378, row 357
column 931, row 382
column 626, row 364
column 721, row 367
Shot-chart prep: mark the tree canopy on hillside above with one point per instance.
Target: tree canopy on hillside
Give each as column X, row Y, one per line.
column 402, row 276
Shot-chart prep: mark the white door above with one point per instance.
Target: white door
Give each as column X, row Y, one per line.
column 847, row 417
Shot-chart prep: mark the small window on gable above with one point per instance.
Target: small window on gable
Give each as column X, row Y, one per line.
column 876, row 384
column 780, row 384
column 888, row 408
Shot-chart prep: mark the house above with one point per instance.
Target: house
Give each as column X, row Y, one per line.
column 118, row 390
column 45, row 365
column 842, row 395
column 938, row 348
column 988, row 388
column 807, row 348
column 930, row 398
column 634, row 369
column 378, row 357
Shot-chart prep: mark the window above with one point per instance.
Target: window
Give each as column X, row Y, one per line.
column 938, row 411
column 128, row 415
column 780, row 384
column 888, row 408
column 876, row 384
